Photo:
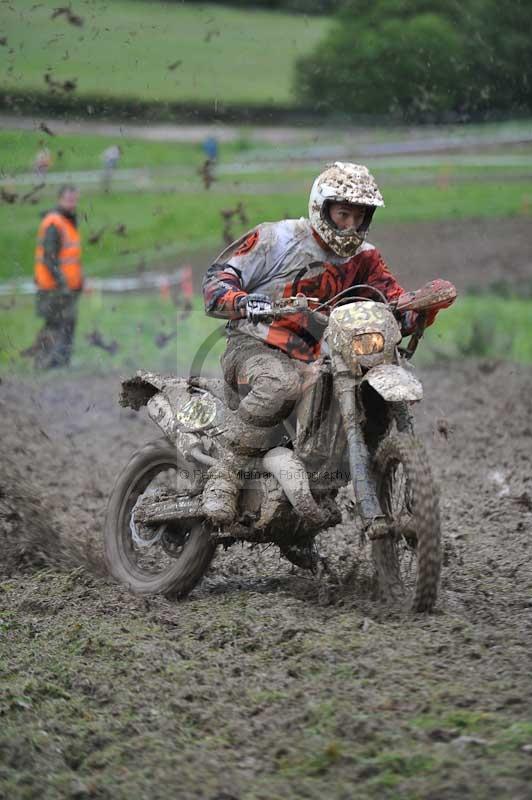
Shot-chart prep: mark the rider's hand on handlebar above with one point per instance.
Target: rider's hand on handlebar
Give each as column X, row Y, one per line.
column 257, row 305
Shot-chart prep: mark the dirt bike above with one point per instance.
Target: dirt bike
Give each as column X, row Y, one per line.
column 353, row 425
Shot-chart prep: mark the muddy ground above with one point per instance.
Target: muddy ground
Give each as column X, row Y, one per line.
column 474, row 254
column 264, row 683
column 253, row 687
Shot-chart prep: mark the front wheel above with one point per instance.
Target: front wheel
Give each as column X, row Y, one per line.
column 171, row 558
column 407, row 557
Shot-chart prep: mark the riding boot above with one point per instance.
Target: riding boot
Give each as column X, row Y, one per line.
column 237, row 440
column 220, row 495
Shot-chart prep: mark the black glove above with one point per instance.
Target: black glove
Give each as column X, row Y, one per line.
column 257, row 304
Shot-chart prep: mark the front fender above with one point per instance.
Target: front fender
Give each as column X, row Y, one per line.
column 394, row 384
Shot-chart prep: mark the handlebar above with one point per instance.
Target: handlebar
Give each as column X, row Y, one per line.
column 340, row 296
column 299, row 303
column 435, row 294
column 279, row 312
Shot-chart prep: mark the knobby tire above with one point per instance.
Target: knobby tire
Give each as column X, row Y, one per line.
column 404, row 454
column 180, row 577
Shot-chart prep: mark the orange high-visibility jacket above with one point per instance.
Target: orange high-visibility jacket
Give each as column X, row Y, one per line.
column 69, row 253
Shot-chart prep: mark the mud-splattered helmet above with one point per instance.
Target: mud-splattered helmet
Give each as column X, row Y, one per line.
column 343, row 183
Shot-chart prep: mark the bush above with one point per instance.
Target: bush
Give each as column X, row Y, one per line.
column 422, row 58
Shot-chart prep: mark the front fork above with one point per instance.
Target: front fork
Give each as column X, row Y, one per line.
column 368, row 505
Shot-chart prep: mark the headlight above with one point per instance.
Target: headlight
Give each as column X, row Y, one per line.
column 366, row 344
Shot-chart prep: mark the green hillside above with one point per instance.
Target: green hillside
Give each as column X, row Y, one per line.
column 156, row 51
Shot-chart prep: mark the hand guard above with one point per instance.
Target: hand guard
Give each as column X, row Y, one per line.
column 257, row 304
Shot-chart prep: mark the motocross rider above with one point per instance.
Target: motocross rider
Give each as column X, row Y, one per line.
column 318, row 257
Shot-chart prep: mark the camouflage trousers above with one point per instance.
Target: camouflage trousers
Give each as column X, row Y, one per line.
column 59, row 310
column 265, row 380
column 267, row 384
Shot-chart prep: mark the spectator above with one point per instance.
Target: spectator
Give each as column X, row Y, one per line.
column 210, row 148
column 42, row 163
column 110, row 157
column 59, row 279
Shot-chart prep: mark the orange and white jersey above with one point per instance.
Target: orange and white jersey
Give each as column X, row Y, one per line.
column 282, row 259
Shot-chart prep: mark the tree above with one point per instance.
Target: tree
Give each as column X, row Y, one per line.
column 421, row 58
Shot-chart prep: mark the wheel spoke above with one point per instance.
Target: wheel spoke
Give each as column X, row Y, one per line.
column 160, row 556
column 154, row 550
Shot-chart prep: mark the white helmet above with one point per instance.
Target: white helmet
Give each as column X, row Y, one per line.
column 343, row 183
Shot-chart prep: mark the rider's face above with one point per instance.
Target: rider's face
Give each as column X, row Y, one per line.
column 346, row 215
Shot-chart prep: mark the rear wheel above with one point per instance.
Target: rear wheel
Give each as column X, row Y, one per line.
column 169, row 559
column 407, row 557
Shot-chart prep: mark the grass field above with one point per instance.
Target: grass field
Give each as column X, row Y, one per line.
column 74, row 152
column 165, row 220
column 160, row 226
column 157, row 51
column 486, row 326
column 137, row 323
column 172, row 212
column 85, row 152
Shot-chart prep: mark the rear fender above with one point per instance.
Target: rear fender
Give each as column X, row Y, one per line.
column 394, row 384
column 160, row 394
column 176, row 406
column 138, row 390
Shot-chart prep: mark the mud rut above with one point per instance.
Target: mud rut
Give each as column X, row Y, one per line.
column 295, row 688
